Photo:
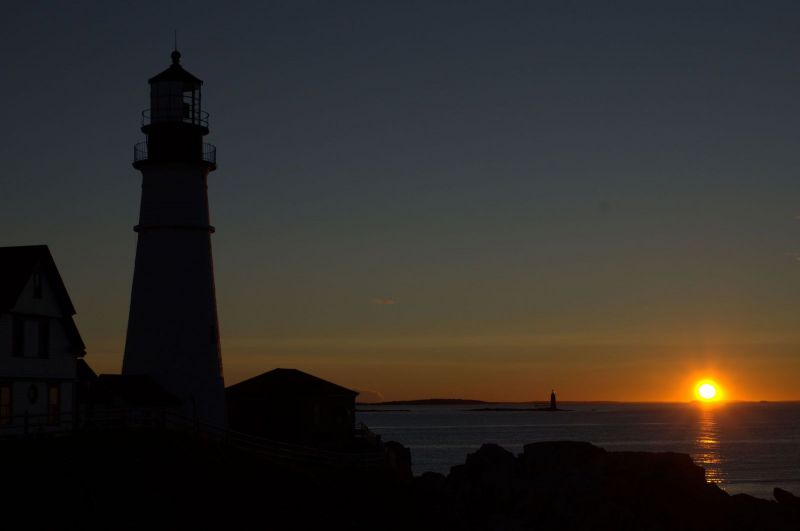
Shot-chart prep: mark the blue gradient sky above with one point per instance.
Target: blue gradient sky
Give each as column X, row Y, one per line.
column 600, row 197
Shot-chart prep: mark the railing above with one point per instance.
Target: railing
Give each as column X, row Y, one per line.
column 209, row 153
column 277, row 451
column 140, row 152
column 43, row 424
column 177, row 115
column 150, row 419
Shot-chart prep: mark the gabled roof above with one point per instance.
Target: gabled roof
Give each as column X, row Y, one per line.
column 17, row 265
column 132, row 390
column 176, row 72
column 84, row 373
column 288, row 382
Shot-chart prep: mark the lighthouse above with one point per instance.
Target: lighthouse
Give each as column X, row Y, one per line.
column 173, row 334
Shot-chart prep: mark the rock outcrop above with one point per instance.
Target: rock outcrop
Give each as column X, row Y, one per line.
column 578, row 486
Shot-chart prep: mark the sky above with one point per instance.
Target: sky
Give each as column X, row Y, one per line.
column 477, row 199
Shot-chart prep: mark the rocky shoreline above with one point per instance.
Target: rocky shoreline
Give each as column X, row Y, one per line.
column 578, row 486
column 133, row 480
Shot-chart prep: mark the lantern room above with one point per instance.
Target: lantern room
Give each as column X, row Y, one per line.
column 175, row 123
column 175, row 96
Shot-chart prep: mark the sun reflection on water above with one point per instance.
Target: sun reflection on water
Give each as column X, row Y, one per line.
column 706, row 451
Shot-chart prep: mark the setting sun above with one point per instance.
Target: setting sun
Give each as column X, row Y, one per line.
column 707, row 391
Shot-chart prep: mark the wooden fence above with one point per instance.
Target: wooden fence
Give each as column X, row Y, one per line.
column 142, row 419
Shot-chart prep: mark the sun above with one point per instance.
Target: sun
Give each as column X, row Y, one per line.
column 706, row 390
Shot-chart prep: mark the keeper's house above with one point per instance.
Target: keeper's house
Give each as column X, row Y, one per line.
column 39, row 344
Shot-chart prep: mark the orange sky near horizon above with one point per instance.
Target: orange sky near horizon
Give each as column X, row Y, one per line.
column 515, row 370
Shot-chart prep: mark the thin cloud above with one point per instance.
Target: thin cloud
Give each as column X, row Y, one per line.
column 369, row 397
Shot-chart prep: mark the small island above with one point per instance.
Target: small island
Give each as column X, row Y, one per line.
column 428, row 402
column 526, row 409
column 552, row 407
column 459, row 402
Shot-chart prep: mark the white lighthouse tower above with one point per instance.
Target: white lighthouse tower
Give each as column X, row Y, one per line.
column 173, row 335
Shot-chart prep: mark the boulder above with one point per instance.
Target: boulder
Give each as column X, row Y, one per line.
column 786, row 498
column 571, row 485
column 398, row 459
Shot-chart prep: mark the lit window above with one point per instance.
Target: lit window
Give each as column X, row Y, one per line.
column 53, row 404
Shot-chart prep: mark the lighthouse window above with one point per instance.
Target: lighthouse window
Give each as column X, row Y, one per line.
column 167, row 102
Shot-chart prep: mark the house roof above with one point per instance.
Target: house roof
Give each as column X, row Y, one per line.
column 16, row 267
column 288, row 382
column 17, row 264
column 136, row 390
column 84, row 373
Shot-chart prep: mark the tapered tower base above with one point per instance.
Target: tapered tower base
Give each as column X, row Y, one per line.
column 173, row 334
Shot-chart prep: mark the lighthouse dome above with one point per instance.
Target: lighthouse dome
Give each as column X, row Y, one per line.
column 175, row 72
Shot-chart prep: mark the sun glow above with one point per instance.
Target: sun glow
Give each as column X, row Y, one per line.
column 707, row 391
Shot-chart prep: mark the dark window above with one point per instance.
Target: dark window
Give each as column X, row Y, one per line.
column 53, row 404
column 33, row 393
column 44, row 338
column 6, row 411
column 18, row 337
column 37, row 285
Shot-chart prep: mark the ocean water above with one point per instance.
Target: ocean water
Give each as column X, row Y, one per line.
column 744, row 447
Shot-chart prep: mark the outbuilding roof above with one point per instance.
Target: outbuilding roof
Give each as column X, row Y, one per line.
column 288, row 382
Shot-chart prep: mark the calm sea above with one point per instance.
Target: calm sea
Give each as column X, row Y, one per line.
column 744, row 447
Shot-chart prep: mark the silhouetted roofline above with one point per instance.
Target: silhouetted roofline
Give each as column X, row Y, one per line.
column 175, row 72
column 288, row 381
column 17, row 265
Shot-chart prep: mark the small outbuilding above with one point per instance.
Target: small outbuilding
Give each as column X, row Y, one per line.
column 293, row 406
column 126, row 400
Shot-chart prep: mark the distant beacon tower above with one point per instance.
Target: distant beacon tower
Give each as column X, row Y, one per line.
column 552, row 399
column 173, row 335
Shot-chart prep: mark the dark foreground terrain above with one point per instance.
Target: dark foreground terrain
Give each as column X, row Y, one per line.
column 578, row 486
column 166, row 480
